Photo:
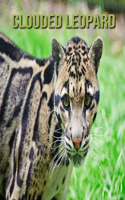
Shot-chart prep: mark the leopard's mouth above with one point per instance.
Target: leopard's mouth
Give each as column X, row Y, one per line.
column 76, row 150
column 77, row 159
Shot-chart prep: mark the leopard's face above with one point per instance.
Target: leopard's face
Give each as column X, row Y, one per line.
column 77, row 96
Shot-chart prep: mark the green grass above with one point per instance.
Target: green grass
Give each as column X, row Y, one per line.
column 102, row 176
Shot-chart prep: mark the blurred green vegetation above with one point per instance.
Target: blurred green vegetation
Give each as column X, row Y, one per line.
column 102, row 176
column 115, row 6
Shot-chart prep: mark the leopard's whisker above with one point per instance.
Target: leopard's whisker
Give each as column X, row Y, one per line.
column 93, row 154
column 63, row 157
column 97, row 129
column 58, row 137
column 92, row 135
column 93, row 138
column 100, row 106
column 56, row 148
column 57, row 165
column 104, row 156
column 55, row 131
column 50, row 146
column 58, row 140
column 104, row 111
column 60, row 150
column 55, row 156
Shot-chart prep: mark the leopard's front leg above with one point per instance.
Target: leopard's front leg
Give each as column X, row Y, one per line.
column 19, row 177
column 17, row 187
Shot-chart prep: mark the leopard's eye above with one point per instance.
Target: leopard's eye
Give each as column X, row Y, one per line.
column 66, row 101
column 88, row 100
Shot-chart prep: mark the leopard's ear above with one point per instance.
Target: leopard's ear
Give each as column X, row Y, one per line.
column 95, row 53
column 58, row 54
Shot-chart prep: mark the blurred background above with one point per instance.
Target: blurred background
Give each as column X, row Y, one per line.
column 102, row 176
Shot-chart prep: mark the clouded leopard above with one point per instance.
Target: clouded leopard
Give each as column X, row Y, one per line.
column 47, row 107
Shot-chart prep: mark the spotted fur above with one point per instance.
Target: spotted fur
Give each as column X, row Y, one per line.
column 47, row 107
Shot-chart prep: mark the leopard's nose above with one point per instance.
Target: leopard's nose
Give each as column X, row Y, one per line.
column 77, row 142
